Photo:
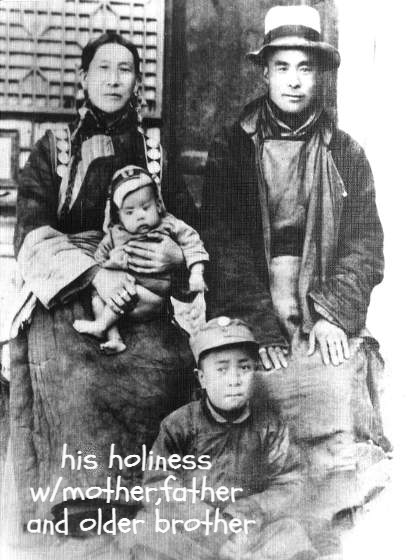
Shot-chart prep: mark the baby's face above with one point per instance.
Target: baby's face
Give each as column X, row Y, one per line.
column 227, row 376
column 139, row 212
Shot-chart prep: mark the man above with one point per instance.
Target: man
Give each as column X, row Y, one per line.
column 289, row 208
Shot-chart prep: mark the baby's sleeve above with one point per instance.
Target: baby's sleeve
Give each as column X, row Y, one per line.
column 189, row 241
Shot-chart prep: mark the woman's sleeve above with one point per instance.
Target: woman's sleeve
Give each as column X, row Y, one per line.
column 37, row 196
column 50, row 264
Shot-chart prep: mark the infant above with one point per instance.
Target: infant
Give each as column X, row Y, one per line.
column 138, row 210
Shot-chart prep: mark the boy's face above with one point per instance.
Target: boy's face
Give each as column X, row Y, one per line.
column 291, row 76
column 139, row 212
column 227, row 376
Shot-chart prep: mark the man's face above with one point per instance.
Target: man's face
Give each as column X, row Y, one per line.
column 227, row 376
column 139, row 212
column 291, row 76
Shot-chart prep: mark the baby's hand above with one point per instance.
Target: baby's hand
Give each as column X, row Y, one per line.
column 197, row 283
column 118, row 259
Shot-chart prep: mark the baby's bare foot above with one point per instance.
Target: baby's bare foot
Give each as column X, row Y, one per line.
column 89, row 327
column 112, row 347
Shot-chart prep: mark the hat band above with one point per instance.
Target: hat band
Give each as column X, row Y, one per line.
column 291, row 31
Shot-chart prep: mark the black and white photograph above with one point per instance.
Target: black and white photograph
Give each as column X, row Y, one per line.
column 203, row 278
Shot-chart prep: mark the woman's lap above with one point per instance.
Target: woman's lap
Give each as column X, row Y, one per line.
column 70, row 393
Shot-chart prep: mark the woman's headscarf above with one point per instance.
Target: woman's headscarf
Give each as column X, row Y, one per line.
column 90, row 121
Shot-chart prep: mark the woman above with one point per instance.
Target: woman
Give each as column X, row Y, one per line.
column 63, row 390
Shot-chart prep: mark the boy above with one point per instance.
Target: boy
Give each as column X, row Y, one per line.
column 245, row 448
column 137, row 210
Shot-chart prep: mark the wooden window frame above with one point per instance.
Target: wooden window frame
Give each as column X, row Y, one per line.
column 14, row 136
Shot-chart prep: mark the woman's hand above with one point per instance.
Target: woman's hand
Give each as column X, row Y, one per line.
column 116, row 288
column 159, row 254
column 273, row 357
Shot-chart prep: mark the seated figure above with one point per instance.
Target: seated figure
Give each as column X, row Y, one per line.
column 238, row 457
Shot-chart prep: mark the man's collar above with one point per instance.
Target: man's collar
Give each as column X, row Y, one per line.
column 257, row 118
column 250, row 116
column 246, row 412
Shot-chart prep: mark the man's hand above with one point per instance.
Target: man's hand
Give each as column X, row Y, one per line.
column 273, row 357
column 332, row 342
column 158, row 254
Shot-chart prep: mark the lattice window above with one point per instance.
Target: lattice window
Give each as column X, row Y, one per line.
column 41, row 43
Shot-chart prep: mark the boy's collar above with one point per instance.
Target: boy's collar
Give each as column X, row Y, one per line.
column 246, row 412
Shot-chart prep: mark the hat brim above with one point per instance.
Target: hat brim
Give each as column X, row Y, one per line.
column 248, row 343
column 131, row 185
column 328, row 57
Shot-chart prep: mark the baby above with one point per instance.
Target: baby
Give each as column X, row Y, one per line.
column 139, row 210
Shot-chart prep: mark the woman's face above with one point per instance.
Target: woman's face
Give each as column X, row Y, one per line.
column 111, row 77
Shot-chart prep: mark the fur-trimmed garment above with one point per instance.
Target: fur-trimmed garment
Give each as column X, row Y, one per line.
column 63, row 390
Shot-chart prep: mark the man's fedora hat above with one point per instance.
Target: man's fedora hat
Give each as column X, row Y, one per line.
column 296, row 27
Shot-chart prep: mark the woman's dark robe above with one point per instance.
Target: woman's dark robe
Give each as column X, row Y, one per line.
column 63, row 389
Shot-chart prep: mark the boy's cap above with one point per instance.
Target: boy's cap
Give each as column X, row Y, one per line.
column 129, row 179
column 219, row 332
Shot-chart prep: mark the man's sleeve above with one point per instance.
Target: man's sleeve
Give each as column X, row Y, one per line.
column 237, row 284
column 359, row 266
